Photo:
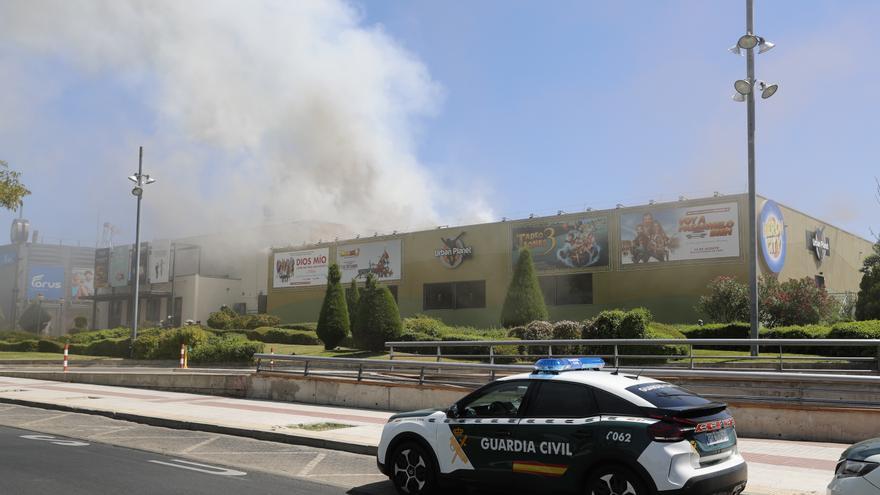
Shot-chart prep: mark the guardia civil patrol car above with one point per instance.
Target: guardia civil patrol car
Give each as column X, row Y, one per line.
column 568, row 427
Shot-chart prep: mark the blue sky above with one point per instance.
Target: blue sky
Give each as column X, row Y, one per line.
column 540, row 106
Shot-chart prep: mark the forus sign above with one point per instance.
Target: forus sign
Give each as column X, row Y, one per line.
column 47, row 281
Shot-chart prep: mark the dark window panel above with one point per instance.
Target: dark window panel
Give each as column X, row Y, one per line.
column 470, row 294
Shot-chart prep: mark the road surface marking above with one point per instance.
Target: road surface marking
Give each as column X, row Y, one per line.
column 311, row 465
column 56, row 441
column 198, row 445
column 57, row 416
column 203, row 468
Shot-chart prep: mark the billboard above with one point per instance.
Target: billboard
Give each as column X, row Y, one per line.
column 301, row 268
column 120, row 266
column 102, row 268
column 771, row 230
column 160, row 262
column 45, row 280
column 576, row 243
column 680, row 234
column 381, row 258
column 82, row 284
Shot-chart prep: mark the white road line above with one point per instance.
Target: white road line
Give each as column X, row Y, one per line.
column 200, row 444
column 255, row 453
column 311, row 465
column 57, row 416
column 202, row 468
column 110, row 431
column 56, row 441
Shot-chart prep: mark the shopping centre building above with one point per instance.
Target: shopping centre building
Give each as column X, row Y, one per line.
column 660, row 256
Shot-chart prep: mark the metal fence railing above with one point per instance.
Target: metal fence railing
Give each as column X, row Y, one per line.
column 781, row 354
column 805, row 389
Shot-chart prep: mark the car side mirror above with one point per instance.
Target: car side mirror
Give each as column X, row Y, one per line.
column 452, row 412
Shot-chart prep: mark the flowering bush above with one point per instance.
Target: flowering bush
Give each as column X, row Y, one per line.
column 794, row 302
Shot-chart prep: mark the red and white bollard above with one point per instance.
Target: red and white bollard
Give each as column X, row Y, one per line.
column 271, row 361
column 66, row 348
column 182, row 356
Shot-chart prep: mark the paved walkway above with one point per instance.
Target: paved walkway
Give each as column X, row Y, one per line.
column 775, row 467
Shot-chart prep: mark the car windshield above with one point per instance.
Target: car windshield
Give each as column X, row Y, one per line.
column 667, row 395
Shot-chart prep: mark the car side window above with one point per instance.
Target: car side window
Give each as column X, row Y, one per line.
column 612, row 404
column 500, row 401
column 562, row 400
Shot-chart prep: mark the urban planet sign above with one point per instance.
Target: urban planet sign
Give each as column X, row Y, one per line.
column 771, row 229
column 453, row 251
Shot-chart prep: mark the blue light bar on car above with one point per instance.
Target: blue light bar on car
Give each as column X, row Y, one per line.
column 555, row 365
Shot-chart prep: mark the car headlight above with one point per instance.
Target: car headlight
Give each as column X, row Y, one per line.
column 850, row 469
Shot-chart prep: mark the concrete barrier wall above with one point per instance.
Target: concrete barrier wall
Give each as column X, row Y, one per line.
column 754, row 419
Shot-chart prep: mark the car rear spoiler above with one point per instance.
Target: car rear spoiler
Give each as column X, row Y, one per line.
column 686, row 413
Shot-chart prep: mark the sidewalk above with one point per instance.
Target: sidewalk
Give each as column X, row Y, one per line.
column 775, row 467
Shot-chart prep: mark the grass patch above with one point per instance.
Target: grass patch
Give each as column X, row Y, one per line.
column 319, row 426
column 47, row 356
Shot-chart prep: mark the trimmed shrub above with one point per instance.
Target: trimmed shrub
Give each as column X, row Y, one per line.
column 310, row 326
column 34, row 318
column 251, row 322
column 634, row 324
column 567, row 330
column 536, row 330
column 49, row 346
column 119, row 347
column 20, row 346
column 333, row 322
column 80, row 323
column 735, row 330
column 352, row 297
column 281, row 336
column 221, row 320
column 424, row 325
column 378, row 319
column 93, row 335
column 869, row 329
column 147, row 347
column 525, row 301
column 516, row 332
column 13, row 336
column 604, row 325
column 227, row 348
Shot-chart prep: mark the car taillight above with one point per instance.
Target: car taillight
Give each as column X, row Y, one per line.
column 665, row 431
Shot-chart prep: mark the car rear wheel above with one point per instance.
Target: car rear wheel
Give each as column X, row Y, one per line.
column 615, row 480
column 412, row 470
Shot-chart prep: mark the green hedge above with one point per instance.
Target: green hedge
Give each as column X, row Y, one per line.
column 10, row 336
column 228, row 348
column 307, row 326
column 49, row 346
column 20, row 346
column 283, row 336
column 93, row 335
column 735, row 330
column 118, row 347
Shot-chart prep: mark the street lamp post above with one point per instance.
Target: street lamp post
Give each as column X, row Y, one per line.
column 140, row 179
column 745, row 91
column 40, row 313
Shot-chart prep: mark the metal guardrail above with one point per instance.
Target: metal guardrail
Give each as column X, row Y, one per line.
column 805, row 389
column 778, row 357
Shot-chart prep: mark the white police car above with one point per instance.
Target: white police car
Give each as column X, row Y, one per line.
column 568, row 427
column 858, row 471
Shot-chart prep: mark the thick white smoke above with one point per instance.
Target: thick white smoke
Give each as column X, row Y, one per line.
column 265, row 111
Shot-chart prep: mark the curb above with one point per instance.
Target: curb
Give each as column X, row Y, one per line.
column 206, row 427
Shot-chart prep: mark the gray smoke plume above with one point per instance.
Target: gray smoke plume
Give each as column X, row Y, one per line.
column 264, row 111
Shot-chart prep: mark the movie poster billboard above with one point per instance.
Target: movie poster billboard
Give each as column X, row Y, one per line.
column 47, row 281
column 120, row 266
column 575, row 243
column 102, row 268
column 301, row 268
column 160, row 262
column 680, row 234
column 82, row 284
column 381, row 258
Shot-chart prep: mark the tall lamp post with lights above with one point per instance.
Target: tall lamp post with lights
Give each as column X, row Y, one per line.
column 140, row 180
column 745, row 91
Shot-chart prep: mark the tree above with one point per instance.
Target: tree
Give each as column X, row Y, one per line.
column 333, row 321
column 352, row 297
column 34, row 318
column 12, row 192
column 378, row 319
column 868, row 303
column 726, row 302
column 525, row 301
column 797, row 301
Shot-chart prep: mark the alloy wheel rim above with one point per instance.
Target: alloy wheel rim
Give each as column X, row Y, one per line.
column 613, row 484
column 409, row 474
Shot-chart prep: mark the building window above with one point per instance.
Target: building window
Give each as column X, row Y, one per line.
column 560, row 290
column 820, row 281
column 455, row 295
column 154, row 307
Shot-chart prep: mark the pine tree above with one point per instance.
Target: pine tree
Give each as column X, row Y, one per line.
column 352, row 297
column 525, row 301
column 378, row 319
column 868, row 303
column 333, row 322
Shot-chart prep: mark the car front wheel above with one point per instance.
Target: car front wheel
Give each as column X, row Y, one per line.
column 412, row 470
column 615, row 480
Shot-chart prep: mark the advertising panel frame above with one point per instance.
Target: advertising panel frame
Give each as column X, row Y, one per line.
column 300, row 268
column 384, row 258
column 558, row 245
column 48, row 280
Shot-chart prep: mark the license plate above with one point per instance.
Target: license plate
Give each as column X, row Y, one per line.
column 716, row 437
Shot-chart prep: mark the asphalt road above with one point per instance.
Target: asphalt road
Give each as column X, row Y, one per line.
column 34, row 463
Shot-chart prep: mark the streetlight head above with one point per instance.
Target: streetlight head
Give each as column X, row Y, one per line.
column 768, row 90
column 137, row 191
column 149, row 180
column 747, row 41
column 735, row 50
column 738, row 97
column 743, row 87
column 765, row 46
column 133, row 178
